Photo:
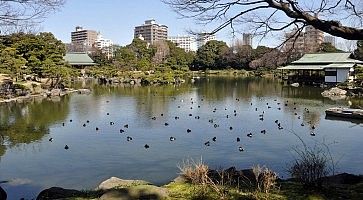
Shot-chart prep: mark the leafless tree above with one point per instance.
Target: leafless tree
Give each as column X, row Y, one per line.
column 341, row 18
column 20, row 15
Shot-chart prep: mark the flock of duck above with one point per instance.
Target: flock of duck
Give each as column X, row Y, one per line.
column 211, row 121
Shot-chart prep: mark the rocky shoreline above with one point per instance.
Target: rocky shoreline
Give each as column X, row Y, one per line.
column 52, row 94
column 116, row 188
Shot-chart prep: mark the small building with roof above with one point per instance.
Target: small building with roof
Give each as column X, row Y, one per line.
column 320, row 68
column 79, row 60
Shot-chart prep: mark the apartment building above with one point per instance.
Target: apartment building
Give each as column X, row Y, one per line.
column 304, row 42
column 151, row 31
column 105, row 45
column 84, row 37
column 188, row 43
column 247, row 39
column 203, row 38
column 330, row 39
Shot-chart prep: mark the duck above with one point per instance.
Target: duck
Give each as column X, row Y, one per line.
column 268, row 107
column 87, row 121
column 50, row 139
column 256, row 109
column 263, row 131
column 154, row 118
column 216, row 125
column 84, row 125
column 261, row 118
column 172, row 139
column 63, row 124
column 313, row 127
column 129, row 138
column 97, row 128
column 214, row 139
column 312, row 134
column 70, row 120
column 126, row 126
column 108, row 114
column 238, row 139
column 166, row 124
column 227, row 116
column 198, row 106
column 178, row 106
column 190, row 115
column 230, row 128
column 176, row 118
column 240, row 149
column 146, row 146
column 207, row 143
column 197, row 117
column 112, row 123
column 276, row 121
column 161, row 114
column 249, row 135
column 122, row 131
column 66, row 147
column 188, row 130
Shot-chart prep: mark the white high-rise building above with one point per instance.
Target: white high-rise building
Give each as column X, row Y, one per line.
column 151, row 31
column 188, row 43
column 247, row 39
column 330, row 39
column 203, row 38
column 105, row 45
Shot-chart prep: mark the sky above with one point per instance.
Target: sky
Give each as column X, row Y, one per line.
column 116, row 19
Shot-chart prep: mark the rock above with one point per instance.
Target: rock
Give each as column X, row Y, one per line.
column 295, row 85
column 180, row 179
column 55, row 92
column 334, row 92
column 3, row 194
column 58, row 193
column 137, row 192
column 115, row 182
column 84, row 91
column 132, row 82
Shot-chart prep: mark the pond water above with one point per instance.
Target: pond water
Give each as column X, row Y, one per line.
column 30, row 162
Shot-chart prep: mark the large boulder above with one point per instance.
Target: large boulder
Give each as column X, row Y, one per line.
column 115, row 183
column 136, row 192
column 334, row 92
column 58, row 193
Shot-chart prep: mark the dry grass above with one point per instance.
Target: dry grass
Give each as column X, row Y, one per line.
column 266, row 179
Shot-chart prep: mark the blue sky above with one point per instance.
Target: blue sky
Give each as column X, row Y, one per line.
column 116, row 19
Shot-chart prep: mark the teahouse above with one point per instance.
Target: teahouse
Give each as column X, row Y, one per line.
column 321, row 68
column 79, row 60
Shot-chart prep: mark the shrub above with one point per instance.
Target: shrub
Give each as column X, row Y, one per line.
column 311, row 165
column 266, row 179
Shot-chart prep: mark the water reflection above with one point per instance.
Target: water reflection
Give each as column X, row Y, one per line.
column 29, row 122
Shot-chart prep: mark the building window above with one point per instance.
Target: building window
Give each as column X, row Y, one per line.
column 330, row 73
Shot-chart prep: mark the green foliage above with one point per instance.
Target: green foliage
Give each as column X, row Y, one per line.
column 358, row 53
column 40, row 54
column 328, row 48
column 210, row 55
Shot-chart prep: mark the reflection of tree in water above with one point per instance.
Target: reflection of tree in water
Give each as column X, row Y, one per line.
column 357, row 103
column 151, row 100
column 311, row 118
column 26, row 123
column 220, row 88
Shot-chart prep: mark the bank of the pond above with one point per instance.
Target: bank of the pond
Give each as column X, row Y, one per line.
column 342, row 186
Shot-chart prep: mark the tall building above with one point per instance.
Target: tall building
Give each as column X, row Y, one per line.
column 203, row 38
column 84, row 37
column 247, row 39
column 151, row 31
column 331, row 40
column 313, row 39
column 105, row 45
column 304, row 42
column 188, row 43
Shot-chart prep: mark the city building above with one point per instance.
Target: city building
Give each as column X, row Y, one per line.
column 84, row 37
column 303, row 42
column 151, row 31
column 203, row 38
column 105, row 45
column 247, row 39
column 330, row 39
column 188, row 43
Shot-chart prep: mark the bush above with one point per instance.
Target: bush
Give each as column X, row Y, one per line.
column 311, row 165
column 266, row 179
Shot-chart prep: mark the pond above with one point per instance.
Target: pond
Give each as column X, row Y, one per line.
column 220, row 107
